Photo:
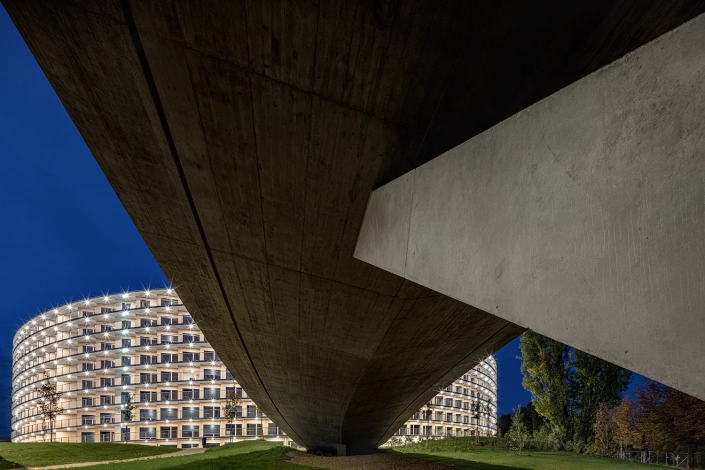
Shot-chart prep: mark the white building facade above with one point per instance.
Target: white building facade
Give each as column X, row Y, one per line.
column 143, row 349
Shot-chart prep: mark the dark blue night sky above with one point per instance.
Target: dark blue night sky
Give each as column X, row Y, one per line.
column 64, row 234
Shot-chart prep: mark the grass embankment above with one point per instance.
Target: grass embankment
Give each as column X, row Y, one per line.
column 462, row 453
column 56, row 453
column 248, row 455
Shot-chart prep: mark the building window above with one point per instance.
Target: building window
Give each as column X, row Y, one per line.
column 87, row 419
column 87, row 384
column 189, row 412
column 191, row 338
column 168, row 321
column 254, row 429
column 210, row 356
column 126, row 361
column 147, row 396
column 211, row 412
column 448, row 402
column 229, row 376
column 169, row 376
column 211, row 374
column 211, row 393
column 213, row 430
column 190, row 394
column 126, row 324
column 169, row 358
column 169, row 339
column 87, row 366
column 168, row 432
column 189, row 431
column 86, row 402
column 148, row 415
column 169, row 302
column 106, row 399
column 144, row 304
column 87, row 437
column 148, row 433
column 414, row 429
column 167, row 395
column 126, row 305
column 146, row 378
column 168, row 413
column 126, row 343
column 87, row 349
column 272, row 429
column 107, row 418
column 187, row 320
column 106, row 382
column 107, row 364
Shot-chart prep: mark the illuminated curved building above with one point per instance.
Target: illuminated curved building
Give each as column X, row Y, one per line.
column 145, row 347
column 138, row 346
column 467, row 407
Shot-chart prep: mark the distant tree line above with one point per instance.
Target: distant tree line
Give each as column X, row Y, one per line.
column 577, row 406
column 659, row 418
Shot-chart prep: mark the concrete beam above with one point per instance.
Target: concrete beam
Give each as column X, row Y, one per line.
column 581, row 217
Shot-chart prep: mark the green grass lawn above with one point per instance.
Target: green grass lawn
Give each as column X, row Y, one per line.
column 248, row 455
column 46, row 453
column 486, row 458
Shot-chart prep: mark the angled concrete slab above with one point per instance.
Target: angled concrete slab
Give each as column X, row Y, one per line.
column 582, row 217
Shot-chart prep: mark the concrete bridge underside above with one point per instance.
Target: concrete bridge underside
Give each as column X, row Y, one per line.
column 268, row 124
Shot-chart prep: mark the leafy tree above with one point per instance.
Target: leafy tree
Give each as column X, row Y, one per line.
column 671, row 420
column 504, row 422
column 128, row 409
column 546, row 369
column 232, row 402
column 568, row 386
column 517, row 432
column 533, row 421
column 594, row 383
column 604, row 429
column 49, row 405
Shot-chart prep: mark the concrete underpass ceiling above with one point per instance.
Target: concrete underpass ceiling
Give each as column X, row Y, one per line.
column 244, row 139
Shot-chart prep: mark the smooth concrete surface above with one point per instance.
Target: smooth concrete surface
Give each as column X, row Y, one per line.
column 245, row 137
column 581, row 217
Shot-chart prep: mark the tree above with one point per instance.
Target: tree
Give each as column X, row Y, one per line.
column 671, row 420
column 594, row 383
column 569, row 385
column 128, row 409
column 533, row 421
column 49, row 405
column 504, row 422
column 517, row 432
column 604, row 429
column 232, row 403
column 546, row 369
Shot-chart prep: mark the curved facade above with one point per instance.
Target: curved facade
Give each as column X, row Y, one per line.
column 143, row 345
column 467, row 407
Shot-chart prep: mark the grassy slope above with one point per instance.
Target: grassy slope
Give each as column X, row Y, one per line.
column 248, row 455
column 484, row 458
column 46, row 453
